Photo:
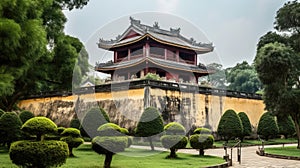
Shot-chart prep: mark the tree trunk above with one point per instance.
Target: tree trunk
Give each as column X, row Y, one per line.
column 201, row 152
column 296, row 121
column 108, row 159
column 151, row 144
column 173, row 153
column 71, row 152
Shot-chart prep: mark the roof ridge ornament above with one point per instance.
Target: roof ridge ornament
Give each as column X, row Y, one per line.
column 155, row 25
column 175, row 31
column 134, row 21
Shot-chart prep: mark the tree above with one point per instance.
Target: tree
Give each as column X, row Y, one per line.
column 217, row 79
column 150, row 124
column 109, row 142
column 10, row 128
column 247, row 129
column 29, row 31
column 230, row 125
column 39, row 153
column 243, row 78
column 26, row 115
column 73, row 138
column 286, row 126
column 174, row 138
column 201, row 139
column 93, row 119
column 281, row 89
column 267, row 126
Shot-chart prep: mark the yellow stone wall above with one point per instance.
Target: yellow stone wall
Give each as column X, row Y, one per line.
column 125, row 107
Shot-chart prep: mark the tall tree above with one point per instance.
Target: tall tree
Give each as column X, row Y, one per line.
column 217, row 79
column 29, row 30
column 278, row 66
column 243, row 77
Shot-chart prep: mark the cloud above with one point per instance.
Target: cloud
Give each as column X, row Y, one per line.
column 167, row 5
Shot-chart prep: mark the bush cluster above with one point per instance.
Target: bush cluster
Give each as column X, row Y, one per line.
column 174, row 138
column 267, row 126
column 25, row 115
column 230, row 125
column 10, row 125
column 39, row 154
column 202, row 139
column 73, row 138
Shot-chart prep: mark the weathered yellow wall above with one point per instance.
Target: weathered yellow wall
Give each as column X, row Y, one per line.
column 125, row 107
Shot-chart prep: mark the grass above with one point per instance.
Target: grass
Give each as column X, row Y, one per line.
column 257, row 142
column 284, row 151
column 86, row 158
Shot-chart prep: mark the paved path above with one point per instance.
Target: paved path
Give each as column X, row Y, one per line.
column 249, row 158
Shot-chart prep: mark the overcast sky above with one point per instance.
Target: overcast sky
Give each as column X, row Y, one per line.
column 233, row 26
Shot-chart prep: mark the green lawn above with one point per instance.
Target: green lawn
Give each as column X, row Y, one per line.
column 284, row 151
column 86, row 158
column 257, row 142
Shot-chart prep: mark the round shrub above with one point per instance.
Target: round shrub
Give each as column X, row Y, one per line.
column 286, row 126
column 110, row 141
column 39, row 154
column 39, row 126
column 72, row 137
column 230, row 125
column 10, row 125
column 201, row 142
column 247, row 129
column 75, row 123
column 25, row 115
column 174, row 139
column 150, row 123
column 94, row 118
column 174, row 128
column 202, row 131
column 267, row 126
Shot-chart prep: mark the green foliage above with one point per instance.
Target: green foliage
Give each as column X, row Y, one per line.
column 202, row 131
column 150, row 123
column 60, row 130
column 216, row 79
column 26, row 115
column 94, row 118
column 39, row 154
column 39, row 126
column 106, row 144
column 1, row 112
column 247, row 129
column 243, row 78
column 75, row 123
column 175, row 138
column 230, row 125
column 110, row 141
column 286, row 126
column 30, row 33
column 72, row 137
column 152, row 76
column 10, row 125
column 201, row 142
column 174, row 141
column 271, row 37
column 267, row 126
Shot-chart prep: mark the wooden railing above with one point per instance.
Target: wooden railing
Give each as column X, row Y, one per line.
column 136, row 84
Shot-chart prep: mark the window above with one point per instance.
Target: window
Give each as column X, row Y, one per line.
column 187, row 57
column 157, row 51
column 136, row 51
column 122, row 54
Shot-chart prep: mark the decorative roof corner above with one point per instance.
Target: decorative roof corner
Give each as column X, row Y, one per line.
column 134, row 21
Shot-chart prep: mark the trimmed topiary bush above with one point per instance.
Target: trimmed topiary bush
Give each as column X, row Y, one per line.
column 39, row 154
column 230, row 125
column 93, row 119
column 286, row 126
column 174, row 139
column 1, row 112
column 25, row 115
column 201, row 139
column 267, row 126
column 109, row 142
column 75, row 123
column 150, row 124
column 39, row 126
column 10, row 125
column 247, row 129
column 73, row 138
